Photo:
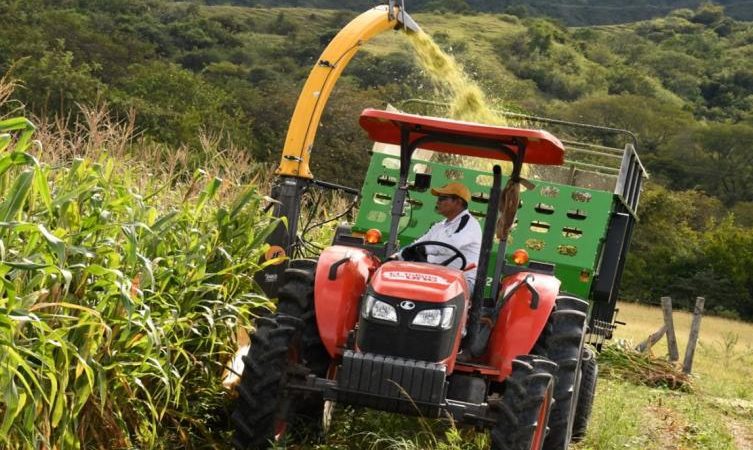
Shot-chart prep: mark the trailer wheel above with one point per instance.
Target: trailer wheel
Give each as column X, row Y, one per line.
column 589, row 370
column 285, row 348
column 525, row 406
column 562, row 342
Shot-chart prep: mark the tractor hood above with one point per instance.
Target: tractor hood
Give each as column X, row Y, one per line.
column 419, row 281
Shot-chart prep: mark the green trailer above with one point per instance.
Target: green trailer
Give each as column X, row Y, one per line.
column 577, row 217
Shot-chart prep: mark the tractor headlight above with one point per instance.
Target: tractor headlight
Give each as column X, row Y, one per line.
column 435, row 318
column 378, row 309
column 383, row 311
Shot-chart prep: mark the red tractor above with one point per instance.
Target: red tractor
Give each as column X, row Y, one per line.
column 358, row 328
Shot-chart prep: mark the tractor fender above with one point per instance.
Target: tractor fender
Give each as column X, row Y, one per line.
column 342, row 274
column 519, row 325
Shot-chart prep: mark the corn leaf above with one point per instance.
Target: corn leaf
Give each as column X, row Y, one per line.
column 55, row 243
column 40, row 184
column 5, row 139
column 10, row 208
column 16, row 124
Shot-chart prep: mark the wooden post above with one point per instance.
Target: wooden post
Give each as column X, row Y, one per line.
column 653, row 338
column 695, row 329
column 666, row 307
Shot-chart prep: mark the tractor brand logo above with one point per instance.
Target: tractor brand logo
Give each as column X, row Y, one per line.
column 406, row 305
column 417, row 277
column 274, row 252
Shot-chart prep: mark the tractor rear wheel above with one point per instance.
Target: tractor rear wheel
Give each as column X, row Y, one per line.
column 589, row 373
column 562, row 342
column 525, row 405
column 285, row 348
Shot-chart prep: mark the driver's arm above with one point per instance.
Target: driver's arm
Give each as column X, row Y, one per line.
column 431, row 235
column 467, row 241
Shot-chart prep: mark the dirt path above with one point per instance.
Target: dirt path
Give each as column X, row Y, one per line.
column 736, row 411
column 741, row 433
column 665, row 427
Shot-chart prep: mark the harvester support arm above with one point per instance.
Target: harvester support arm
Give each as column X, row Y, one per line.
column 294, row 175
column 322, row 79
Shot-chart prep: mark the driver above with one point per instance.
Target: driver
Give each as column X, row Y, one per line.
column 459, row 229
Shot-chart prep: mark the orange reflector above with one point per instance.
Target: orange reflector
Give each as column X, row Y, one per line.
column 585, row 276
column 520, row 257
column 373, row 236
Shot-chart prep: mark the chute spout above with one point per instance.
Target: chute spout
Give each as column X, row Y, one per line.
column 404, row 19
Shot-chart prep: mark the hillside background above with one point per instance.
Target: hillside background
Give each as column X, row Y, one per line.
column 682, row 80
column 571, row 12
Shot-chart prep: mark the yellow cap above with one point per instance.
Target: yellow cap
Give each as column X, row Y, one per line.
column 454, row 188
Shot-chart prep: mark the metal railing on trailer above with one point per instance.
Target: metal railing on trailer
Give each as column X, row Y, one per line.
column 596, row 158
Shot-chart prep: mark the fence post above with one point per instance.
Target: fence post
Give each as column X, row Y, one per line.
column 652, row 339
column 695, row 328
column 666, row 307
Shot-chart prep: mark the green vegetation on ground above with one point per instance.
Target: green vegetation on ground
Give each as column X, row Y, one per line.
column 122, row 290
column 128, row 265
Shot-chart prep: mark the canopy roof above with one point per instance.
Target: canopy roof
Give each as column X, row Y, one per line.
column 385, row 126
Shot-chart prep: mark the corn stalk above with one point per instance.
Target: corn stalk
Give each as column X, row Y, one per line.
column 117, row 310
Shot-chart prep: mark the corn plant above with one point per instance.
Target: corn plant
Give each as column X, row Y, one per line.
column 118, row 310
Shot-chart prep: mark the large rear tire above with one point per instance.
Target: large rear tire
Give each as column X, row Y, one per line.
column 562, row 342
column 525, row 406
column 285, row 348
column 589, row 370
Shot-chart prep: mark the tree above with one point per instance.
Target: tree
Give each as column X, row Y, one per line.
column 708, row 14
column 729, row 255
column 717, row 158
column 174, row 104
column 665, row 248
column 55, row 82
column 653, row 122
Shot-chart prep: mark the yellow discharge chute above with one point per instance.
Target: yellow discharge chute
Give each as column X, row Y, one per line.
column 322, row 79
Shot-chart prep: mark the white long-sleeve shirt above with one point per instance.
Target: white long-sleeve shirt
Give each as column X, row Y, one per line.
column 465, row 238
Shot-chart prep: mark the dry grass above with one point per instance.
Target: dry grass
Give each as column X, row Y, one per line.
column 625, row 363
column 643, row 320
column 714, row 416
column 7, row 86
column 95, row 132
column 723, row 363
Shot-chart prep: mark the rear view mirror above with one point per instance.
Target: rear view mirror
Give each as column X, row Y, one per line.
column 423, row 181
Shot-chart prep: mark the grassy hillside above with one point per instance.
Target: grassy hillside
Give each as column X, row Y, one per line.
column 718, row 414
column 589, row 12
column 235, row 73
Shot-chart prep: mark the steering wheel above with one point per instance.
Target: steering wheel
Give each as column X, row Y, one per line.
column 413, row 249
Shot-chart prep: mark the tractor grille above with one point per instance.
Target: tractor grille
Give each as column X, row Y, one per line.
column 391, row 384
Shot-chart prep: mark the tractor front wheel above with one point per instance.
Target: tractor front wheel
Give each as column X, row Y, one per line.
column 285, row 348
column 525, row 405
column 562, row 342
column 589, row 370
